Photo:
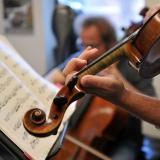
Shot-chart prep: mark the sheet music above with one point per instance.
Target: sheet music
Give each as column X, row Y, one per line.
column 23, row 89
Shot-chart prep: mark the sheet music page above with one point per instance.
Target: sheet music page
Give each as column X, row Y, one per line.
column 23, row 89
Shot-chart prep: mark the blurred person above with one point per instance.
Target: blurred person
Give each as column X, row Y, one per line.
column 93, row 33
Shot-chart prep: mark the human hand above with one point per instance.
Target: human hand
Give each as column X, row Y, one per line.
column 56, row 76
column 108, row 87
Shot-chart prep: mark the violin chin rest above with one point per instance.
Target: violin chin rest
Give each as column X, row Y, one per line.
column 149, row 70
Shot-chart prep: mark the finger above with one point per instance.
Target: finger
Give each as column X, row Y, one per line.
column 90, row 81
column 74, row 64
column 89, row 54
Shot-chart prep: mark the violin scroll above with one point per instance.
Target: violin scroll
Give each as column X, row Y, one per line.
column 37, row 116
column 35, row 120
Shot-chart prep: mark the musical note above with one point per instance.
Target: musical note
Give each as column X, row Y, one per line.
column 18, row 104
column 34, row 142
column 25, row 136
column 33, row 81
column 17, row 125
column 42, row 89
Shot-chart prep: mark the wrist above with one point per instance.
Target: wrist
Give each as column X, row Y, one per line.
column 124, row 96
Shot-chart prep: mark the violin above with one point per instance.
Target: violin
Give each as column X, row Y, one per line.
column 140, row 48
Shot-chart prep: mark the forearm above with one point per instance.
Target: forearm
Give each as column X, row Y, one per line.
column 143, row 106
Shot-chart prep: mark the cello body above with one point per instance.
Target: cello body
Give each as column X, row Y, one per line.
column 101, row 120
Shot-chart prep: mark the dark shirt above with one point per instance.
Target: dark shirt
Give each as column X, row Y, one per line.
column 131, row 75
column 132, row 129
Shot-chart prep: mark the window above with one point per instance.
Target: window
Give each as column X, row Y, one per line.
column 119, row 12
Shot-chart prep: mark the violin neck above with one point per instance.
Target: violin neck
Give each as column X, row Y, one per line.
column 108, row 58
column 104, row 62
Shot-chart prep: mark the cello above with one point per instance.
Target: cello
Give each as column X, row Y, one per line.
column 95, row 112
column 89, row 132
column 136, row 48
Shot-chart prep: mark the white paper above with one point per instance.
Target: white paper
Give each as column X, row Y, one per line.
column 21, row 89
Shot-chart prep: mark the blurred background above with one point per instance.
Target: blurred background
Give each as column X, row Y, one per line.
column 45, row 32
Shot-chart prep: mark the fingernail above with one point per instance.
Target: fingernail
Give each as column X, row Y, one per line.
column 83, row 82
column 84, row 61
column 94, row 49
column 89, row 47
